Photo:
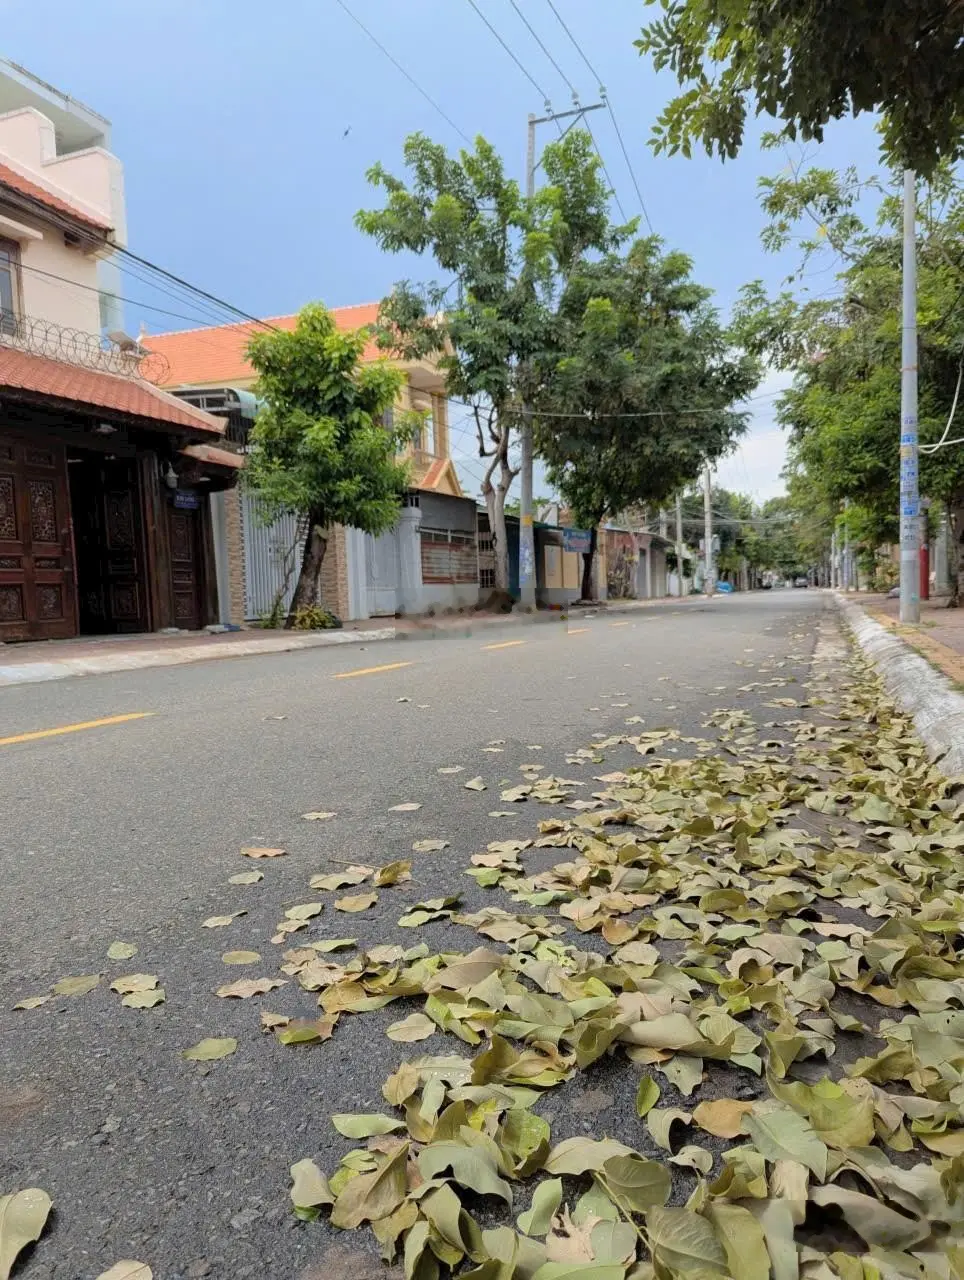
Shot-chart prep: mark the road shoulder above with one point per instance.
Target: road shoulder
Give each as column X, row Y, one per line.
column 914, row 674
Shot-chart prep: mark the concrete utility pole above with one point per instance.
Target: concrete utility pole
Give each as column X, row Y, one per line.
column 833, row 559
column 527, row 543
column 847, row 563
column 709, row 584
column 679, row 545
column 909, row 491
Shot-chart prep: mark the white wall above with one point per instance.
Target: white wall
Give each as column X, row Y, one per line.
column 59, row 283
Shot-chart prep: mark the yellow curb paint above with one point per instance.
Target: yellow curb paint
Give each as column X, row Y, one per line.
column 73, row 728
column 619, row 624
column 578, row 631
column 506, row 644
column 371, row 671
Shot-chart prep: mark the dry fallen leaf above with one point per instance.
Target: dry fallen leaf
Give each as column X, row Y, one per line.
column 134, row 982
column 356, row 902
column 32, row 1002
column 244, row 988
column 271, row 1020
column 417, row 1026
column 121, row 951
column 246, row 877
column 240, row 957
column 451, row 768
column 211, row 1049
column 474, row 784
column 127, row 1269
column 22, row 1218
column 221, row 922
column 145, row 999
column 318, row 815
column 429, row 846
column 257, row 851
column 409, row 806
column 76, row 986
column 722, row 1118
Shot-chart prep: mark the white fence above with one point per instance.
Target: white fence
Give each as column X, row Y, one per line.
column 271, row 559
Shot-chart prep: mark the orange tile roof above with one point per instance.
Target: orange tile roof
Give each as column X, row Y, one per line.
column 54, row 380
column 15, row 181
column 204, row 357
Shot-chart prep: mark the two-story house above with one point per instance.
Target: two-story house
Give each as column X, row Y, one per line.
column 429, row 562
column 104, row 477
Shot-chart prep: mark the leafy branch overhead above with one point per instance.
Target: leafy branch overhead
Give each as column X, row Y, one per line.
column 808, row 62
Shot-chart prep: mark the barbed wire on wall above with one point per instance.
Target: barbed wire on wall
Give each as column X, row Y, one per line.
column 55, row 341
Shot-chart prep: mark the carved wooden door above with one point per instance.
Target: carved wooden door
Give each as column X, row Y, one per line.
column 186, row 567
column 37, row 593
column 111, row 575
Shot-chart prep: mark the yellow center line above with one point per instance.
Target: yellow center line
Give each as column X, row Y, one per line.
column 370, row 671
column 619, row 624
column 578, row 631
column 73, row 728
column 506, row 644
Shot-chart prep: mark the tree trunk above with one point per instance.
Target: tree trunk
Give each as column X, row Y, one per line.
column 306, row 592
column 495, row 496
column 587, row 561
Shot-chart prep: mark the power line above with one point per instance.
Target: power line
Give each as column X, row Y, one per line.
column 398, row 66
column 605, row 97
column 535, row 35
column 134, row 302
column 576, row 45
column 645, row 413
column 185, row 284
column 525, row 72
column 612, row 185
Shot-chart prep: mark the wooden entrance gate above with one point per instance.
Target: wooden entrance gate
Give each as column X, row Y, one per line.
column 37, row 590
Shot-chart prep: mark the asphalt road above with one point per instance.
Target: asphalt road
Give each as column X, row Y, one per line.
column 129, row 830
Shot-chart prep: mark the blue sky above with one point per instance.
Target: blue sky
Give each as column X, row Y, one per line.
column 230, row 117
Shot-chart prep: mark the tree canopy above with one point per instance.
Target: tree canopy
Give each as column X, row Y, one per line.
column 636, row 390
column 807, row 62
column 320, row 447
column 507, row 257
column 843, row 410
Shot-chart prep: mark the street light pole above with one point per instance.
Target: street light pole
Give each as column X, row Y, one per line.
column 679, row 545
column 527, row 544
column 709, row 585
column 909, row 490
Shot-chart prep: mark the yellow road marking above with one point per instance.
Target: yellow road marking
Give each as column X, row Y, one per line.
column 370, row 671
column 506, row 644
column 619, row 624
column 73, row 728
column 577, row 631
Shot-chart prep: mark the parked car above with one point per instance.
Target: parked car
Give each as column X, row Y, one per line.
column 801, row 582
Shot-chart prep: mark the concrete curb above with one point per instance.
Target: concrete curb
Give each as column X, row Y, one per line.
column 38, row 672
column 927, row 695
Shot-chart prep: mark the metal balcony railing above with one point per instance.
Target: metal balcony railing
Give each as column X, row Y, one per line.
column 85, row 350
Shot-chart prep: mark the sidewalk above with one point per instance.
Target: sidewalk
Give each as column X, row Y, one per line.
column 939, row 638
column 34, row 662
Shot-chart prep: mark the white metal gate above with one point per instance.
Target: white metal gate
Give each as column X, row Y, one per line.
column 272, row 555
column 383, row 570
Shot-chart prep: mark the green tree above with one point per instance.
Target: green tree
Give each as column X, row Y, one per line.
column 508, row 257
column 635, row 391
column 842, row 412
column 320, row 448
column 808, row 62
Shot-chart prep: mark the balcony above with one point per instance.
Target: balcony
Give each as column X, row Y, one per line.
column 118, row 355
